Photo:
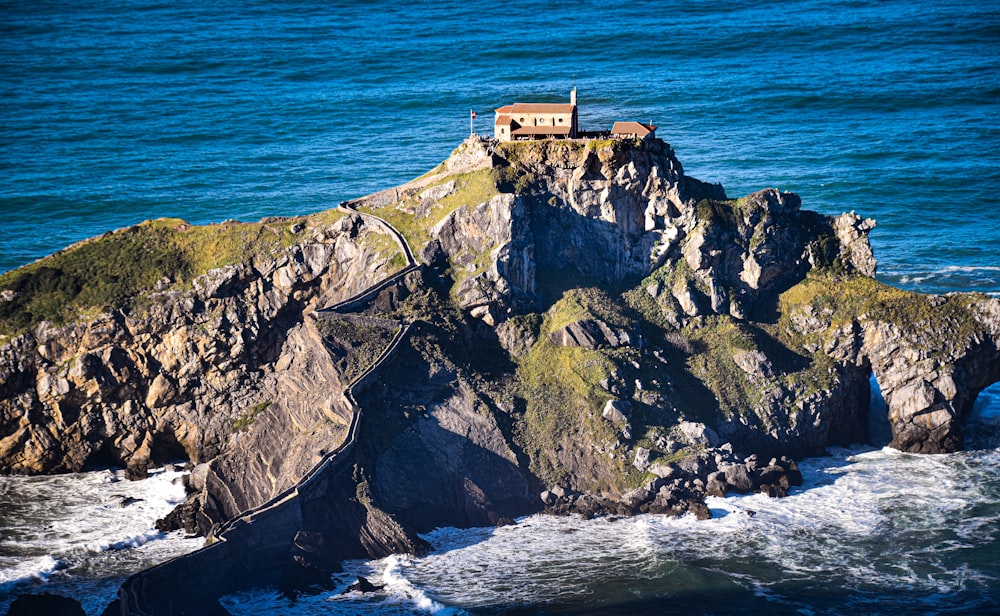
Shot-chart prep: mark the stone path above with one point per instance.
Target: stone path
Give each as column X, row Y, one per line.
column 219, row 563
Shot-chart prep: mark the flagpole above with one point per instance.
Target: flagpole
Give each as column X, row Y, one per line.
column 472, row 117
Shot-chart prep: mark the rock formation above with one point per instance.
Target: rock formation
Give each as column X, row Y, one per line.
column 589, row 330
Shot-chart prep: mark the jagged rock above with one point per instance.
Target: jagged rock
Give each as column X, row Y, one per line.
column 754, row 363
column 852, row 232
column 233, row 373
column 364, row 586
column 590, row 334
column 183, row 369
column 617, row 411
column 516, row 337
column 698, row 433
column 642, row 458
column 774, row 202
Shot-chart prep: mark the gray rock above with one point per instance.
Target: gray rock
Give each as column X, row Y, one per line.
column 617, row 411
column 716, row 484
column 737, row 477
column 773, row 201
column 698, row 434
column 664, row 471
column 754, row 363
column 642, row 458
column 590, row 334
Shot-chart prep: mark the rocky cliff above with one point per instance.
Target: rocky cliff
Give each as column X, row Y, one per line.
column 589, row 330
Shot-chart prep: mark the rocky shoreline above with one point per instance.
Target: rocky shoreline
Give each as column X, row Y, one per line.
column 590, row 332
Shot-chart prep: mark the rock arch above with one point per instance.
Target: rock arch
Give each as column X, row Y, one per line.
column 931, row 372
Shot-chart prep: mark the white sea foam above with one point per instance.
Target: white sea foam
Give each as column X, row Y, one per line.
column 867, row 523
column 58, row 530
column 943, row 279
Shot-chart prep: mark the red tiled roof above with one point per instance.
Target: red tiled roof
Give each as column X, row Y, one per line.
column 504, row 120
column 632, row 128
column 504, row 109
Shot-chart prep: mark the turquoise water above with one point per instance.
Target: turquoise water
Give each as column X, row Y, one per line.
column 112, row 113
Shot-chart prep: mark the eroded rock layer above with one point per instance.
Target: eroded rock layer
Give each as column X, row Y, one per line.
column 574, row 326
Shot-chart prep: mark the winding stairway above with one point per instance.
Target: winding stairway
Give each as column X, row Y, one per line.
column 217, row 568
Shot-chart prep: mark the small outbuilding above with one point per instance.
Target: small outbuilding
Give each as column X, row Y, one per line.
column 633, row 130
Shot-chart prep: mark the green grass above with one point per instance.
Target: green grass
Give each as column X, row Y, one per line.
column 564, row 397
column 471, row 188
column 247, row 419
column 845, row 299
column 112, row 270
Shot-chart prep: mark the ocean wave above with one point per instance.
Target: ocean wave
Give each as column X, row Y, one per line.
column 63, row 528
column 39, row 568
column 876, row 526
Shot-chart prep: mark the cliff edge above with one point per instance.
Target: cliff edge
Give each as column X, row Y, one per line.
column 575, row 326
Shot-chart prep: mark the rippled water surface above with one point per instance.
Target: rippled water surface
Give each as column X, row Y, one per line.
column 112, row 113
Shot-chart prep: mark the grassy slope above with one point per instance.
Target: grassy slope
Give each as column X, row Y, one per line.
column 110, row 271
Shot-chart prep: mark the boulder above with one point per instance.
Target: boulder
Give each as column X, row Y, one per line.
column 642, row 458
column 363, row 586
column 590, row 334
column 698, row 434
column 617, row 411
column 716, row 485
column 737, row 477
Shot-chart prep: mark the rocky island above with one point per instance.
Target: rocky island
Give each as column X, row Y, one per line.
column 564, row 325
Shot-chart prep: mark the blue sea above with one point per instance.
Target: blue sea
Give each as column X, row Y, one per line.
column 116, row 112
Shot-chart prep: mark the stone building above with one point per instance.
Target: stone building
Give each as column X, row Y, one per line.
column 536, row 120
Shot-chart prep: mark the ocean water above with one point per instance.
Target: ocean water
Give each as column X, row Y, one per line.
column 81, row 534
column 112, row 113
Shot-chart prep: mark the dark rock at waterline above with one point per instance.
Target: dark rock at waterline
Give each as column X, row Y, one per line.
column 45, row 603
column 309, row 571
column 184, row 516
column 364, row 586
column 113, row 609
column 209, row 608
column 127, row 501
column 137, row 471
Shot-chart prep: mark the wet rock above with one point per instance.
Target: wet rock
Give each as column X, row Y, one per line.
column 364, row 586
column 137, row 470
column 127, row 501
column 45, row 603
